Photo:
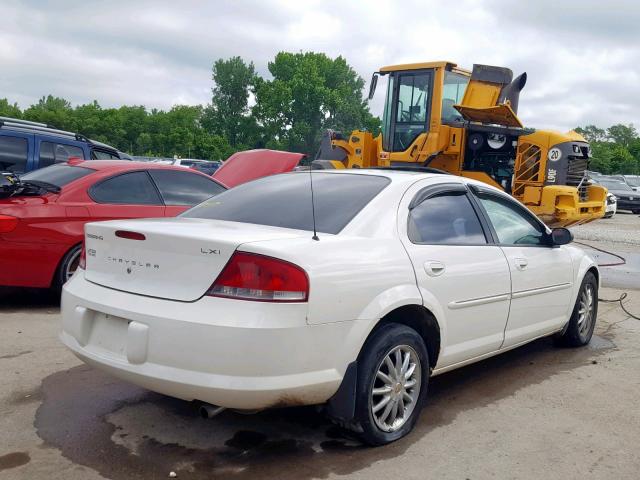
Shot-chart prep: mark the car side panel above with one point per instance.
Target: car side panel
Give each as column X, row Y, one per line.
column 352, row 278
column 27, row 264
column 31, row 253
column 541, row 291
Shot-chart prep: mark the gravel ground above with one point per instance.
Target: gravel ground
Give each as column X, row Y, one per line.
column 620, row 235
column 622, row 228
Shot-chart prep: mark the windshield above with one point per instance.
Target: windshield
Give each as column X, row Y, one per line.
column 285, row 201
column 58, row 175
column 615, row 185
column 633, row 181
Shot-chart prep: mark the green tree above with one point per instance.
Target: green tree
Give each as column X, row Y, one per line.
column 622, row 134
column 592, row 133
column 602, row 154
column 53, row 111
column 9, row 110
column 309, row 93
column 229, row 114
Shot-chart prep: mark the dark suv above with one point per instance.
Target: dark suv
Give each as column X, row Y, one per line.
column 26, row 146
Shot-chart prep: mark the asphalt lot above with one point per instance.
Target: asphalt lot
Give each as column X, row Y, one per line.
column 536, row 412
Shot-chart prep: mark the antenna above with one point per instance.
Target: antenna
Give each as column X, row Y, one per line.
column 313, row 206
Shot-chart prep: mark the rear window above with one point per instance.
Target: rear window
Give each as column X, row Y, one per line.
column 285, row 201
column 59, row 175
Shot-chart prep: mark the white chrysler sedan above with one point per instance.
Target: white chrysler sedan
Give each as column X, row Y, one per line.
column 412, row 274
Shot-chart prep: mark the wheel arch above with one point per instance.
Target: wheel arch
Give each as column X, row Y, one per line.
column 420, row 319
column 341, row 406
column 54, row 277
column 596, row 273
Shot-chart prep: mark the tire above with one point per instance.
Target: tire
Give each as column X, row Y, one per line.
column 379, row 348
column 68, row 264
column 579, row 333
column 635, row 212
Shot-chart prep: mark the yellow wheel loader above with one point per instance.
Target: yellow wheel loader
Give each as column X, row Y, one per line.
column 440, row 116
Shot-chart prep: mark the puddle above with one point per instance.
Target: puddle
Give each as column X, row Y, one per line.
column 123, row 431
column 13, row 460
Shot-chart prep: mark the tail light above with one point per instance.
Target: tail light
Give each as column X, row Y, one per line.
column 8, row 223
column 249, row 276
column 82, row 263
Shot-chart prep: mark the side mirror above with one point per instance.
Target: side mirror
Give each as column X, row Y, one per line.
column 372, row 85
column 561, row 236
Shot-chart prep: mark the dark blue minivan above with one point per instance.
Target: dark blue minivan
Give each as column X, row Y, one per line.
column 26, row 146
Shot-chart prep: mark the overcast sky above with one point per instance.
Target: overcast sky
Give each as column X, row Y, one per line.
column 582, row 57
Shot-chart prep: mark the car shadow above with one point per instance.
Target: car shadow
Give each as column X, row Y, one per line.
column 13, row 299
column 123, row 431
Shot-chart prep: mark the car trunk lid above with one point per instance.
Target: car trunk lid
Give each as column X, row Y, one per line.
column 176, row 259
column 242, row 167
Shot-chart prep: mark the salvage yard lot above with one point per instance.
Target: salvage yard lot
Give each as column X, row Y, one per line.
column 535, row 412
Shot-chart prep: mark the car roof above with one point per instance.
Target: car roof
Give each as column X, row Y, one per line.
column 103, row 165
column 398, row 175
column 45, row 130
column 128, row 165
column 405, row 177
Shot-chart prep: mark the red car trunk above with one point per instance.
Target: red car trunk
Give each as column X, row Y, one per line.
column 242, row 167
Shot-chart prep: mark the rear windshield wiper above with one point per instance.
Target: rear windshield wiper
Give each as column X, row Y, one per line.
column 49, row 187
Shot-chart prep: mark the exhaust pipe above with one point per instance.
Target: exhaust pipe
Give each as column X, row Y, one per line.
column 511, row 91
column 209, row 411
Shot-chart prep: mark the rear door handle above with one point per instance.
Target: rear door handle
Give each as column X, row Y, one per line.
column 434, row 268
column 521, row 263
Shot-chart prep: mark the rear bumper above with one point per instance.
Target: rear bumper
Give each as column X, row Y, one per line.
column 231, row 353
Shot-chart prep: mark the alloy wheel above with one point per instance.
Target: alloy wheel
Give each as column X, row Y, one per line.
column 585, row 311
column 396, row 388
column 72, row 265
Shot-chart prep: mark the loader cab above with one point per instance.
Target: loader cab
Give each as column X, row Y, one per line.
column 419, row 98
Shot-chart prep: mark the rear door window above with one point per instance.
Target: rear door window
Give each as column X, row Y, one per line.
column 184, row 188
column 447, row 219
column 134, row 188
column 285, row 201
column 51, row 153
column 13, row 154
column 103, row 155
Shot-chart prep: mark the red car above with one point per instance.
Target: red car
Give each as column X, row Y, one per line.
column 42, row 226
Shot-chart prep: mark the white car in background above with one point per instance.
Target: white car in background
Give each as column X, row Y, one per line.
column 235, row 304
column 181, row 162
column 611, row 206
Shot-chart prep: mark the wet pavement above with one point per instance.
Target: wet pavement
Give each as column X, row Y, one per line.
column 123, row 431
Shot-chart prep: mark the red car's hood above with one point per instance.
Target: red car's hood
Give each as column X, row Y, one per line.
column 243, row 167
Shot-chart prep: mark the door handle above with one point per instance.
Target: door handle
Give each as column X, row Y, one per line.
column 433, row 268
column 521, row 263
